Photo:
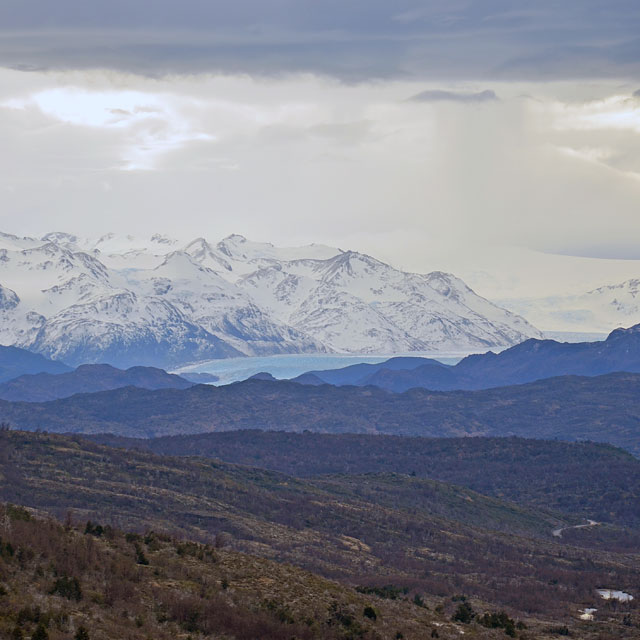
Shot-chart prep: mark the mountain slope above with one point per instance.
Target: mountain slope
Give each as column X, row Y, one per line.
column 125, row 302
column 359, row 304
column 87, row 378
column 602, row 409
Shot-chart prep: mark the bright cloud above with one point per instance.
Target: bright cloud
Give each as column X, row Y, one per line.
column 614, row 112
column 149, row 124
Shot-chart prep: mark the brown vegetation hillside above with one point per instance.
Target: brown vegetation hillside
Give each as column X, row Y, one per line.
column 95, row 582
column 424, row 537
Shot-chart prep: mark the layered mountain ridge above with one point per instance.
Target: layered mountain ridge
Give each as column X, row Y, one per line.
column 528, row 361
column 602, row 409
column 159, row 303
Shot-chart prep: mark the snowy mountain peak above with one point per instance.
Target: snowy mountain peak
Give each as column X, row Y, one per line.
column 181, row 265
column 59, row 237
column 178, row 259
column 201, row 251
column 198, row 246
column 246, row 255
column 234, row 238
column 160, row 239
column 238, row 247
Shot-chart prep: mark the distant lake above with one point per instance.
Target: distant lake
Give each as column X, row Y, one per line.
column 292, row 365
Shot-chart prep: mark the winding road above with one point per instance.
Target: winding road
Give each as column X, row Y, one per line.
column 557, row 533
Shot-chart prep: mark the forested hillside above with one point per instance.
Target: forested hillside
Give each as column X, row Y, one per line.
column 586, row 479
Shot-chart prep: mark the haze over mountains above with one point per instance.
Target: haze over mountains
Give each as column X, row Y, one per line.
column 157, row 303
column 34, row 378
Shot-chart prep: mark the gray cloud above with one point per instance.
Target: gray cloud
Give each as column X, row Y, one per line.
column 636, row 94
column 436, row 95
column 355, row 40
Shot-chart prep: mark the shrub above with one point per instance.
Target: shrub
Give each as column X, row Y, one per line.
column 6, row 549
column 496, row 620
column 17, row 513
column 370, row 612
column 96, row 530
column 418, row 601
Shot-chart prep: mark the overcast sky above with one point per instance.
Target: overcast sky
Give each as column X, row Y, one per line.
column 473, row 136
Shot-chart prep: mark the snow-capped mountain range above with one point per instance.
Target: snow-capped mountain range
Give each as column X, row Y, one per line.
column 156, row 302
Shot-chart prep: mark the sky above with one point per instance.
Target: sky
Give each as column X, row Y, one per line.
column 496, row 139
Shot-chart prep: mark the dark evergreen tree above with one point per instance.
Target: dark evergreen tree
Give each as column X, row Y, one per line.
column 370, row 612
column 464, row 613
column 140, row 557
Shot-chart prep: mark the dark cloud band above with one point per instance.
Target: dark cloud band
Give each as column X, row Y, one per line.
column 349, row 39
